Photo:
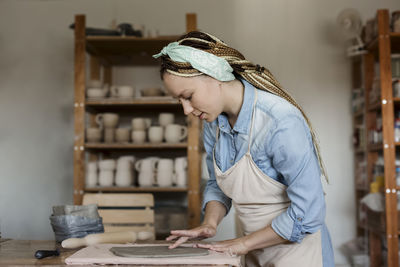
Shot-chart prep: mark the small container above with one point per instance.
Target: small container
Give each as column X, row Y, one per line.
column 396, row 88
column 395, row 22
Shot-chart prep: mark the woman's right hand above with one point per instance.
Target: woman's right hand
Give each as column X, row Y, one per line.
column 198, row 233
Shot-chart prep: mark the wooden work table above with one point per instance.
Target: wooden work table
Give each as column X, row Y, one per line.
column 21, row 252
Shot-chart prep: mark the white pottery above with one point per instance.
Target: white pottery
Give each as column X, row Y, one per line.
column 175, row 133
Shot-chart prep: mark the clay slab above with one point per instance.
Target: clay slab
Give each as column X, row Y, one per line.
column 158, row 252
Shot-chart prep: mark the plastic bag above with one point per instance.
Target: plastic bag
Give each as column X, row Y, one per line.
column 75, row 221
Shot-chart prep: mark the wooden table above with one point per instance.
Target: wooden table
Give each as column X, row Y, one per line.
column 21, row 252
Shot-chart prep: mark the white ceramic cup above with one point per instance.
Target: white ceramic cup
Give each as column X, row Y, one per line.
column 92, row 166
column 141, row 123
column 175, row 133
column 122, row 134
column 165, row 171
column 96, row 93
column 156, row 134
column 109, row 135
column 180, row 164
column 166, row 118
column 106, row 178
column 93, row 134
column 107, row 164
column 138, row 136
column 107, row 120
column 146, row 164
column 123, row 177
column 123, row 91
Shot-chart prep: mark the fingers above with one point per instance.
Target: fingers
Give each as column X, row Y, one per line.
column 188, row 233
column 180, row 241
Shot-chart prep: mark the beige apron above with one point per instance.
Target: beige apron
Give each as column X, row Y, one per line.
column 258, row 199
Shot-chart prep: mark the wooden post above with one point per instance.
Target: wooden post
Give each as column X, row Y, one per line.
column 389, row 150
column 193, row 153
column 79, row 108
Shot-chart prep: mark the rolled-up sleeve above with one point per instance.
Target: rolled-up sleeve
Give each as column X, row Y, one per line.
column 293, row 156
column 212, row 190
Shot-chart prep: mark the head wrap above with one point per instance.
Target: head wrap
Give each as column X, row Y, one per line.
column 204, row 62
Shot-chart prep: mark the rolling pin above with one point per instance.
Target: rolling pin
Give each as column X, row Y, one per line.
column 112, row 237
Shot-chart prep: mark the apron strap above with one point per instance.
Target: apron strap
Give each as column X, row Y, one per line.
column 252, row 119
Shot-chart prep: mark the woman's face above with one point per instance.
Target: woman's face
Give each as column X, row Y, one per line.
column 199, row 95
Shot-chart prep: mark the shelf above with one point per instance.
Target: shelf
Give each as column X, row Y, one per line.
column 136, row 189
column 140, row 101
column 358, row 113
column 375, row 147
column 394, row 43
column 127, row 50
column 362, row 188
column 359, row 150
column 375, row 106
column 136, row 146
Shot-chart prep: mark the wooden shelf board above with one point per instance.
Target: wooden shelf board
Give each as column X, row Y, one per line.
column 394, row 43
column 362, row 188
column 127, row 50
column 136, row 189
column 359, row 150
column 140, row 101
column 135, row 146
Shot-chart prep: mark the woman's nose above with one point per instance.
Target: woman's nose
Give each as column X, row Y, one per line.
column 187, row 107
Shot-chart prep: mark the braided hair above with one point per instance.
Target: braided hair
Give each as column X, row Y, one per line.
column 256, row 75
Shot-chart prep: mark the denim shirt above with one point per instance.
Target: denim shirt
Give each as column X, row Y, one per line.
column 282, row 148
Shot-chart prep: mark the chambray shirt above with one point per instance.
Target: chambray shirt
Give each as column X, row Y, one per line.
column 282, row 147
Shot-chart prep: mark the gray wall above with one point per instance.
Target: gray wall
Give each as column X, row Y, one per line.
column 296, row 40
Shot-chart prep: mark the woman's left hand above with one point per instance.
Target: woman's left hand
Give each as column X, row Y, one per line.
column 234, row 247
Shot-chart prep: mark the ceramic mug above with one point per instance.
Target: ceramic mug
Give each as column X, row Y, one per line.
column 146, row 164
column 166, row 118
column 93, row 134
column 107, row 120
column 96, row 93
column 175, row 133
column 91, row 175
column 138, row 136
column 140, row 123
column 146, row 178
column 156, row 134
column 122, row 134
column 123, row 91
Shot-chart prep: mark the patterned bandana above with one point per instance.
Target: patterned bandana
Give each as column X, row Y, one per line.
column 204, row 62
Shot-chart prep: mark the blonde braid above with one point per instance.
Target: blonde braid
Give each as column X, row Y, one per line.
column 258, row 76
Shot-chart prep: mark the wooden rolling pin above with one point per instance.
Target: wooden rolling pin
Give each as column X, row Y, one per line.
column 112, row 237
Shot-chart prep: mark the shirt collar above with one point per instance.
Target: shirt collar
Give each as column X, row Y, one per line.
column 244, row 119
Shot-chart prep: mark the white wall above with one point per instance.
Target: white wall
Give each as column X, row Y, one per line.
column 296, row 40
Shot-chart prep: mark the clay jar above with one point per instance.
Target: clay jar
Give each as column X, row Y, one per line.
column 180, row 167
column 165, row 171
column 175, row 133
column 140, row 124
column 145, row 167
column 91, row 174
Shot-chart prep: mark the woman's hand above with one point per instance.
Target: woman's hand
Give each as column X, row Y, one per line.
column 200, row 232
column 234, row 247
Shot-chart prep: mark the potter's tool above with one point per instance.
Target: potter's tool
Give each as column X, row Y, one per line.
column 158, row 252
column 40, row 254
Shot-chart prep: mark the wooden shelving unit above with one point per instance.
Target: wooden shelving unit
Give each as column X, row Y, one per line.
column 103, row 53
column 379, row 51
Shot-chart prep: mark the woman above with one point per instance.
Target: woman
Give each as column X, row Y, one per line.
column 262, row 155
